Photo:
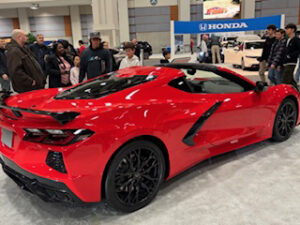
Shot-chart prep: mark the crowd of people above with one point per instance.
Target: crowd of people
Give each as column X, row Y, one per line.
column 31, row 67
column 280, row 56
column 35, row 66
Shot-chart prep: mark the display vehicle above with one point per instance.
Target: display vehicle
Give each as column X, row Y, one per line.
column 119, row 136
column 245, row 55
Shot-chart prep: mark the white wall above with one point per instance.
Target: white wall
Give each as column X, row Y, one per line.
column 85, row 10
column 8, row 13
column 49, row 11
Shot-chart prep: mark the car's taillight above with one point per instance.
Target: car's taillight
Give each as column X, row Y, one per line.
column 56, row 137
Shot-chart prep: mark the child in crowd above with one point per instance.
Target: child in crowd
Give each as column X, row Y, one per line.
column 74, row 73
column 131, row 59
column 167, row 56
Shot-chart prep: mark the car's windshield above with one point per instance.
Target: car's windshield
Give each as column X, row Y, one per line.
column 103, row 86
column 254, row 45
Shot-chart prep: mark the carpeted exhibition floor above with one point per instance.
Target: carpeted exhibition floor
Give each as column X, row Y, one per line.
column 257, row 185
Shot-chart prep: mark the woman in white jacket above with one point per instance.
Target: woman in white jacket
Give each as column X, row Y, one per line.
column 131, row 59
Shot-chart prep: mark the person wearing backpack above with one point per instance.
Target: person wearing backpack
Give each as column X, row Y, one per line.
column 95, row 60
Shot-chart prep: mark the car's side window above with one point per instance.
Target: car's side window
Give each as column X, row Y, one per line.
column 210, row 83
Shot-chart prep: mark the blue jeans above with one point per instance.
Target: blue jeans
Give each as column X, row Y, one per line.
column 275, row 76
column 5, row 84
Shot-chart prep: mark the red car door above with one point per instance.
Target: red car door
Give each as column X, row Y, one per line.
column 235, row 119
column 240, row 118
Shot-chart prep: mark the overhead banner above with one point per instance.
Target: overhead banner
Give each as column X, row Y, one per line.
column 236, row 25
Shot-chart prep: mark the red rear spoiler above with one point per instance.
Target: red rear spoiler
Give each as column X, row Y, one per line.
column 61, row 117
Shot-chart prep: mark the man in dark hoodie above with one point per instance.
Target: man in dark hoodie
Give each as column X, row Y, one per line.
column 292, row 54
column 276, row 58
column 266, row 52
column 4, row 80
column 95, row 60
column 23, row 69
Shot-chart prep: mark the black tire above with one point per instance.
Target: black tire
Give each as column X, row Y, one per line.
column 285, row 121
column 134, row 176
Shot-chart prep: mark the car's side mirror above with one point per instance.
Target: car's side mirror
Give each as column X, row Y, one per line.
column 260, row 86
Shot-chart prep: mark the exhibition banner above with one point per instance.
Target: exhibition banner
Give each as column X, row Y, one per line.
column 234, row 25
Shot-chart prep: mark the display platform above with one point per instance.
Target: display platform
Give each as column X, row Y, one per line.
column 255, row 185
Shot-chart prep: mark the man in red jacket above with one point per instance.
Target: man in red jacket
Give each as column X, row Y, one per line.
column 82, row 47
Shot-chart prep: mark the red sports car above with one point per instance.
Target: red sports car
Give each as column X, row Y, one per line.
column 119, row 136
column 216, row 10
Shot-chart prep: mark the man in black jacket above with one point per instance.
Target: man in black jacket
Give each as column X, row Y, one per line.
column 40, row 51
column 276, row 58
column 4, row 80
column 95, row 60
column 23, row 69
column 292, row 54
column 266, row 52
column 112, row 52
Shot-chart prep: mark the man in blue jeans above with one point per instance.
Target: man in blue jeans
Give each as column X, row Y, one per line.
column 276, row 58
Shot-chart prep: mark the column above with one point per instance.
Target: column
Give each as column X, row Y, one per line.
column 248, row 9
column 23, row 19
column 76, row 25
column 123, row 20
column 184, row 11
column 105, row 16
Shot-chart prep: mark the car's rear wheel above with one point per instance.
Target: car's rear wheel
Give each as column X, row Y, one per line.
column 134, row 176
column 285, row 121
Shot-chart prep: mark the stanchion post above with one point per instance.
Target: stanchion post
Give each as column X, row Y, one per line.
column 172, row 38
column 142, row 56
column 282, row 21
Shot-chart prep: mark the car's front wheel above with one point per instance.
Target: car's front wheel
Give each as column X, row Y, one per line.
column 134, row 176
column 285, row 121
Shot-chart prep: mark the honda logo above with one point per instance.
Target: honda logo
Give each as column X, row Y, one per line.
column 203, row 26
column 221, row 26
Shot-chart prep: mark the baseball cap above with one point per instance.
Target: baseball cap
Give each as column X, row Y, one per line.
column 95, row 35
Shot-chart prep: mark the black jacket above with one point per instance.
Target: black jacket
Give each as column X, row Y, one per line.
column 138, row 50
column 215, row 40
column 23, row 68
column 40, row 51
column 115, row 66
column 267, row 48
column 162, row 61
column 94, row 62
column 292, row 51
column 277, row 53
column 53, row 71
column 3, row 62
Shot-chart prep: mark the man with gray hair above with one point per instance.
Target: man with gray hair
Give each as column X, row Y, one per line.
column 23, row 69
column 41, row 52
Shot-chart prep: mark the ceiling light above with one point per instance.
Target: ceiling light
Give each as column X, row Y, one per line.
column 34, row 6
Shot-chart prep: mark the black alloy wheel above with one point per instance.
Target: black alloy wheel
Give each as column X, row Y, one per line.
column 134, row 176
column 285, row 121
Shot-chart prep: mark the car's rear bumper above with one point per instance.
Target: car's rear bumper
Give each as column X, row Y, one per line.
column 47, row 190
